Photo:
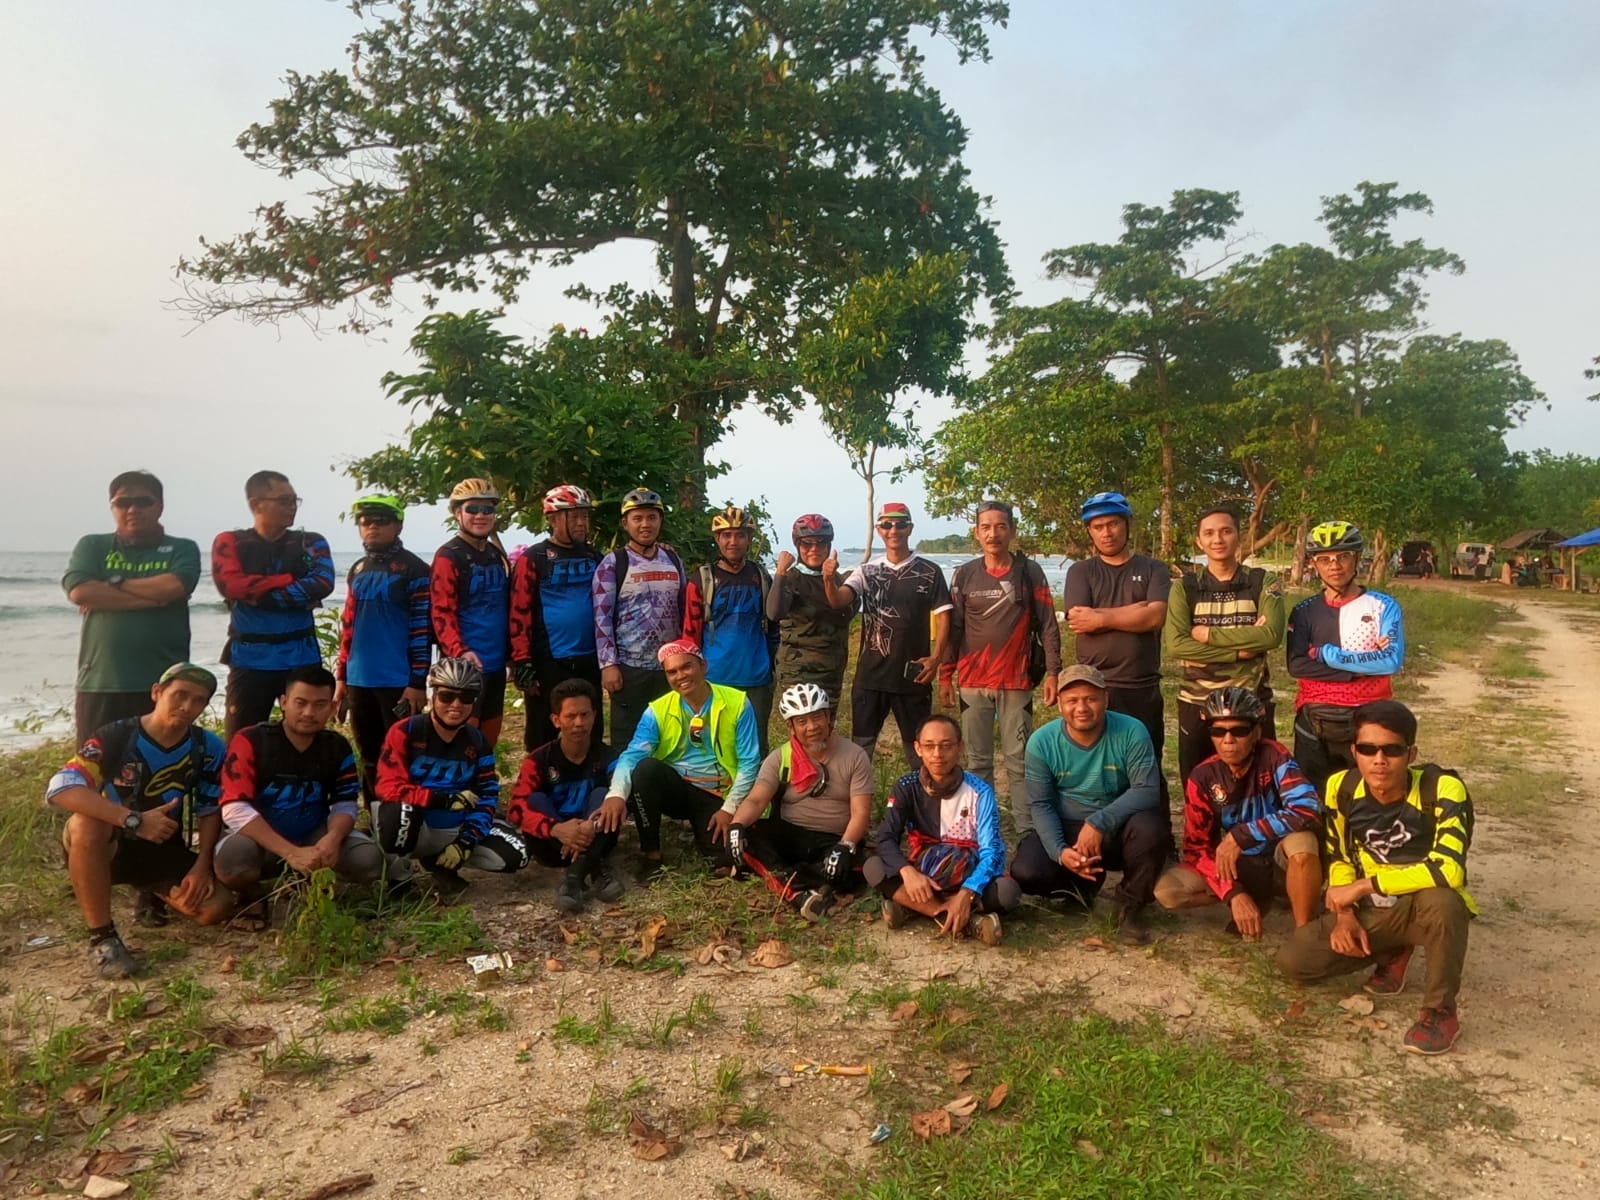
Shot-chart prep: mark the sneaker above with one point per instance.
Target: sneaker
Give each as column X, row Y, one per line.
column 606, row 885
column 150, row 910
column 1435, row 1031
column 895, row 915
column 1389, row 979
column 815, row 904
column 1130, row 926
column 448, row 883
column 646, row 870
column 569, row 896
column 111, row 960
column 985, row 927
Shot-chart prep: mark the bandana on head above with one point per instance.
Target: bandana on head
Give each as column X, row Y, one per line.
column 681, row 646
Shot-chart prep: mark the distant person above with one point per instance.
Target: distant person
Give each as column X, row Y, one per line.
column 132, row 586
column 693, row 758
column 1096, row 794
column 133, row 791
column 289, row 795
column 560, row 803
column 1252, row 825
column 725, row 612
column 437, row 787
column 939, row 852
column 1396, row 840
column 1001, row 605
column 273, row 578
column 899, row 593
column 638, row 595
column 813, row 636
column 1116, row 603
column 385, row 632
column 1222, row 622
column 552, row 610
column 1344, row 645
column 471, row 598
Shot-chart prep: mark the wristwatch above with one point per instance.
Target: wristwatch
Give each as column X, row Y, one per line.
column 131, row 822
column 116, row 580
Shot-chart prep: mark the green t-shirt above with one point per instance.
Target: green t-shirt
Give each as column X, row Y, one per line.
column 127, row 651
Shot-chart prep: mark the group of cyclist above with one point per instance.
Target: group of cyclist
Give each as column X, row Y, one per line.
column 1367, row 850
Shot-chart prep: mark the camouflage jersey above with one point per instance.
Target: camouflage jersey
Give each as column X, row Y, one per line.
column 814, row 640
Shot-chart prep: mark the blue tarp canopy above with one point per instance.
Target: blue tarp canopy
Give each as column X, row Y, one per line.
column 1592, row 538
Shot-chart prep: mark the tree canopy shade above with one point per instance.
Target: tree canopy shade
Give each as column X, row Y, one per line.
column 764, row 156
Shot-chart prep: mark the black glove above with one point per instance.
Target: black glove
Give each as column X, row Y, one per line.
column 526, row 677
column 836, row 867
column 738, row 839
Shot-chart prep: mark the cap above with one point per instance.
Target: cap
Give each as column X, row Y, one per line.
column 1082, row 673
column 190, row 673
column 681, row 646
column 894, row 510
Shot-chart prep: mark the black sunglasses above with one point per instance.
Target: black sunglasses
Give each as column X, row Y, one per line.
column 1386, row 749
column 894, row 524
column 1230, row 732
column 453, row 696
column 127, row 502
column 478, row 510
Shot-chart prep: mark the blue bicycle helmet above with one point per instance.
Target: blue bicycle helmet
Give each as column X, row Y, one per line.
column 1106, row 504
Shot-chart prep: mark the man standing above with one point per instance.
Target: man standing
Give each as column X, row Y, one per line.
column 1001, row 605
column 725, row 613
column 1116, row 602
column 1222, row 622
column 1251, row 823
column 1396, row 839
column 273, row 579
column 385, row 632
column 638, row 595
column 1344, row 645
column 552, row 610
column 819, row 789
column 1094, row 785
column 132, row 791
column 694, row 757
column 289, row 793
column 438, row 790
column 560, row 802
column 952, row 868
column 896, row 668
column 814, row 637
column 132, row 586
column 470, row 597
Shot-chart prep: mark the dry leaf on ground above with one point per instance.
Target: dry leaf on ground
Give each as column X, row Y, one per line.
column 342, row 1186
column 962, row 1106
column 238, row 1037
column 1179, row 1008
column 997, row 1097
column 553, row 964
column 931, row 1124
column 648, row 1142
column 960, row 1072
column 1361, row 1005
column 650, row 935
column 771, row 953
column 376, row 1098
column 1089, row 1150
column 906, row 1008
column 1094, row 943
column 101, row 1188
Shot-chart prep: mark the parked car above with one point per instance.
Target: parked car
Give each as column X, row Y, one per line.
column 1415, row 559
column 1472, row 560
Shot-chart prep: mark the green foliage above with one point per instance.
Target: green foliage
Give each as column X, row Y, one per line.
column 1555, row 491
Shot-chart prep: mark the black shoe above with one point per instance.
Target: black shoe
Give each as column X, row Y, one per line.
column 569, row 896
column 111, row 960
column 1130, row 926
column 150, row 910
column 607, row 887
column 646, row 870
column 816, row 904
column 448, row 883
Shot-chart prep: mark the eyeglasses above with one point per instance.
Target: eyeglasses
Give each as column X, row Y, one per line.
column 1334, row 559
column 821, row 784
column 126, row 502
column 1384, row 749
column 813, row 543
column 1229, row 733
column 886, row 526
column 478, row 510
column 452, row 696
column 376, row 519
column 291, row 500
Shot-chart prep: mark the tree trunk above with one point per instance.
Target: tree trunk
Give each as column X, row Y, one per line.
column 689, row 408
column 870, row 475
column 1169, row 472
column 1380, row 556
column 1299, row 572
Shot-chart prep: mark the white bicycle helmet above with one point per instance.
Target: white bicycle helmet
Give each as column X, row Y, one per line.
column 801, row 699
column 457, row 673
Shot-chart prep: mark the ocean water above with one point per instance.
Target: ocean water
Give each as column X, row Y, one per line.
column 39, row 634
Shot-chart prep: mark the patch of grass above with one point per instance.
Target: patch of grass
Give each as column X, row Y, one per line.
column 802, row 1002
column 1098, row 1108
column 577, row 1032
column 730, row 1079
column 460, row 1156
column 297, row 1058
column 699, row 1016
column 1448, row 625
column 387, row 1015
column 31, row 878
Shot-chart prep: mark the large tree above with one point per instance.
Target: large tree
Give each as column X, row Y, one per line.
column 763, row 154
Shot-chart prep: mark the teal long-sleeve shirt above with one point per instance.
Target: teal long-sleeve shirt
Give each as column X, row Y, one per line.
column 1102, row 785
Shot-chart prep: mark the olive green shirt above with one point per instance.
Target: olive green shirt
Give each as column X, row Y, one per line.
column 126, row 651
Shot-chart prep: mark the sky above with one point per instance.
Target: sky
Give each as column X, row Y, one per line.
column 117, row 151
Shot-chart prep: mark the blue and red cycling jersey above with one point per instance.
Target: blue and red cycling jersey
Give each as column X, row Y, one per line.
column 385, row 631
column 471, row 601
column 272, row 589
column 419, row 767
column 1258, row 810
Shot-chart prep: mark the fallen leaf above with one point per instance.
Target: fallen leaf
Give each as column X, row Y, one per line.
column 960, row 1072
column 931, row 1124
column 937, row 973
column 906, row 1008
column 771, row 953
column 649, row 1143
column 126, row 1123
column 113, row 1162
column 376, row 1098
column 1180, row 1009
column 956, row 1015
column 340, row 1187
column 747, row 1146
column 591, row 956
column 1094, row 943
column 1361, row 1005
column 962, row 1106
column 195, row 1090
column 650, row 935
column 997, row 1097
column 238, row 1037
column 1295, row 1011
column 91, row 1115
column 524, row 1046
column 570, row 933
column 1331, row 1120
column 101, row 1188
column 1089, row 1150
column 553, row 964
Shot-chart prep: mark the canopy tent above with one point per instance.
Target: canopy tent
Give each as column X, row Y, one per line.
column 1532, row 539
column 1592, row 538
column 1569, row 550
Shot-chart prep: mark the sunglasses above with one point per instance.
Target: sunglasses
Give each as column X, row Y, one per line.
column 291, row 500
column 479, row 510
column 376, row 519
column 452, row 696
column 887, row 525
column 1228, row 733
column 1384, row 749
column 126, row 502
column 813, row 543
column 821, row 784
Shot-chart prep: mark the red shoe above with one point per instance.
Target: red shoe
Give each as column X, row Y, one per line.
column 1389, row 979
column 1435, row 1031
